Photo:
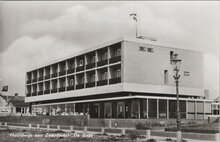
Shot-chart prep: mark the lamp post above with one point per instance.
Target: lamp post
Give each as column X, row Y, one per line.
column 176, row 68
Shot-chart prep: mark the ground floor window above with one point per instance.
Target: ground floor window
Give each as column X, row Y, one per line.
column 135, row 108
column 152, row 105
column 108, row 110
column 121, row 109
column 162, row 108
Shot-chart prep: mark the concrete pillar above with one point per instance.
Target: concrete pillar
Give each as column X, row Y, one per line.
column 5, row 124
column 178, row 136
column 187, row 109
column 38, row 126
column 71, row 128
column 29, row 126
column 157, row 108
column 58, row 127
column 195, row 109
column 0, row 123
column 168, row 109
column 48, row 127
column 123, row 131
column 85, row 129
column 148, row 134
column 147, row 108
column 217, row 137
column 103, row 130
column 110, row 123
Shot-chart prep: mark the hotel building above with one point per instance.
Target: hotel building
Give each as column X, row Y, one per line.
column 122, row 78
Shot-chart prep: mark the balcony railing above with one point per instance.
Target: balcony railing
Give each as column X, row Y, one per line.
column 69, row 71
column 34, row 80
column 47, row 77
column 34, row 94
column 115, row 80
column 40, row 78
column 40, row 93
column 54, row 90
column 91, row 65
column 62, row 89
column 28, row 94
column 70, row 88
column 81, row 68
column 28, row 81
column 102, row 82
column 102, row 62
column 90, row 84
column 115, row 59
column 79, row 86
column 54, row 75
column 62, row 73
column 46, row 91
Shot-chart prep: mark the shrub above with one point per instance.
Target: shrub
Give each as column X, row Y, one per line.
column 151, row 140
column 142, row 126
column 169, row 140
column 133, row 136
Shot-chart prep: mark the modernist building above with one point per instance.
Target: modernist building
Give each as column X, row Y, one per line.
column 123, row 78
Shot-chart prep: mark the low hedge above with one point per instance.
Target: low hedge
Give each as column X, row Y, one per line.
column 209, row 131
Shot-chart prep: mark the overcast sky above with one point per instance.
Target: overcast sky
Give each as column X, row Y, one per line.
column 35, row 33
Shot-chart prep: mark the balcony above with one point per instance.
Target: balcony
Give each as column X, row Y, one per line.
column 62, row 89
column 40, row 78
column 34, row 94
column 70, row 88
column 62, row 73
column 69, row 71
column 40, row 93
column 115, row 80
column 54, row 75
column 28, row 81
column 102, row 82
column 81, row 68
column 91, row 65
column 115, row 59
column 34, row 80
column 79, row 86
column 28, row 94
column 90, row 84
column 54, row 90
column 102, row 62
column 47, row 92
column 47, row 77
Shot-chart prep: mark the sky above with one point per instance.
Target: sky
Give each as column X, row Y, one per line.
column 35, row 33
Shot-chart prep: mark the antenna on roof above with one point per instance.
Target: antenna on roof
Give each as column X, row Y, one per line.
column 134, row 15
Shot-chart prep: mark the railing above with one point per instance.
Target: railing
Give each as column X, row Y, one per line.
column 81, row 68
column 102, row 82
column 47, row 77
column 69, row 71
column 54, row 75
column 79, row 86
column 62, row 73
column 46, row 91
column 115, row 59
column 90, row 84
column 102, row 62
column 54, row 90
column 40, row 93
column 70, row 88
column 40, row 78
column 91, row 65
column 115, row 80
column 62, row 89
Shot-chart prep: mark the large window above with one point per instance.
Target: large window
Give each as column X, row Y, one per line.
column 152, row 111
column 108, row 110
column 121, row 109
column 135, row 108
column 143, row 105
column 162, row 108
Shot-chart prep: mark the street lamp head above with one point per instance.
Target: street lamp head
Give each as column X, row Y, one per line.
column 176, row 63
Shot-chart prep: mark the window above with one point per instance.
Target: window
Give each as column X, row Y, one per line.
column 150, row 50
column 105, row 56
column 107, row 110
column 118, row 52
column 141, row 48
column 92, row 78
column 81, row 63
column 104, row 76
column 92, row 59
column 171, row 56
column 71, row 82
column 118, row 73
column 186, row 73
column 82, row 80
column 165, row 76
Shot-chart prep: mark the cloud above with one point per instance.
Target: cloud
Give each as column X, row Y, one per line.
column 26, row 53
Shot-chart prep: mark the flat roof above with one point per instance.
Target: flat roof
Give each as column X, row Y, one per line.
column 105, row 44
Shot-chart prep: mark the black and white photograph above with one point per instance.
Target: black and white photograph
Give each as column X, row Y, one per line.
column 109, row 71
